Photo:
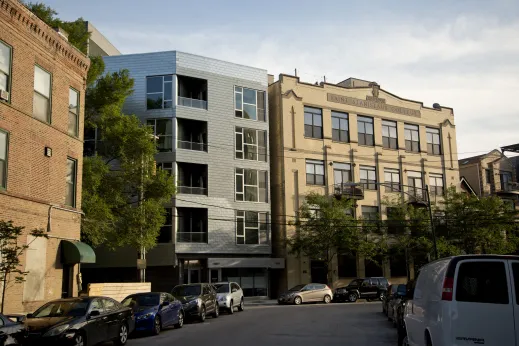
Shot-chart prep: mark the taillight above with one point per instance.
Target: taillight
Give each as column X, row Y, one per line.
column 448, row 288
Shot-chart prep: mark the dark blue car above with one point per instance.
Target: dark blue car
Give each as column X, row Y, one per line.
column 154, row 311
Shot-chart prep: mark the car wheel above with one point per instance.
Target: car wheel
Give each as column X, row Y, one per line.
column 231, row 308
column 202, row 314
column 157, row 326
column 122, row 338
column 216, row 312
column 381, row 296
column 180, row 321
column 242, row 305
column 298, row 300
column 403, row 340
column 352, row 297
column 79, row 340
column 327, row 299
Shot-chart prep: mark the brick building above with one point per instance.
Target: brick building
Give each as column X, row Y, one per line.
column 42, row 86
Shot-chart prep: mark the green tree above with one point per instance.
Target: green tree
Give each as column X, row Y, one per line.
column 10, row 254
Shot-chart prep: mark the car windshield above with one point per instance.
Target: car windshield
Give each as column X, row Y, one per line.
column 297, row 288
column 187, row 290
column 356, row 282
column 142, row 300
column 62, row 308
column 222, row 288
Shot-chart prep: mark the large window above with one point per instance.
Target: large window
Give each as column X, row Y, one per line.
column 4, row 141
column 506, row 179
column 341, row 173
column 414, row 182
column 313, row 122
column 73, row 112
column 167, row 229
column 368, row 177
column 163, row 131
column 70, row 196
column 5, row 67
column 249, row 104
column 251, row 227
column 433, row 141
column 412, row 138
column 159, row 92
column 365, row 130
column 314, row 172
column 392, row 180
column 166, row 166
column 482, row 282
column 192, row 225
column 389, row 134
column 251, row 144
column 436, row 184
column 42, row 91
column 369, row 212
column 251, row 185
column 340, row 128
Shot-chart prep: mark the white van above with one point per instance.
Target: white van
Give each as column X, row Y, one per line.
column 464, row 300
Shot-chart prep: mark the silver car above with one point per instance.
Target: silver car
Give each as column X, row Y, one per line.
column 229, row 295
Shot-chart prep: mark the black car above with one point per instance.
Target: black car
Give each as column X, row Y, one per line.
column 391, row 290
column 80, row 321
column 12, row 331
column 394, row 302
column 198, row 300
column 368, row 288
column 400, row 309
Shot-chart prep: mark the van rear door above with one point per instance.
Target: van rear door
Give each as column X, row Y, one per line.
column 482, row 310
column 514, row 272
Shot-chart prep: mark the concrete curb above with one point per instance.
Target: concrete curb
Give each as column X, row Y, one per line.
column 275, row 302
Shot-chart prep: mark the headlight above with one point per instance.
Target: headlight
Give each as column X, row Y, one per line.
column 57, row 330
column 222, row 298
column 196, row 301
column 341, row 290
column 145, row 316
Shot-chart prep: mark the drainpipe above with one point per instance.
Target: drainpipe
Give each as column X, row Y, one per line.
column 49, row 218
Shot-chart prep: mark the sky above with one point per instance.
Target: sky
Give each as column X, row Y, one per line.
column 461, row 54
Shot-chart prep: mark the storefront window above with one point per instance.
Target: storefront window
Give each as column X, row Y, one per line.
column 253, row 281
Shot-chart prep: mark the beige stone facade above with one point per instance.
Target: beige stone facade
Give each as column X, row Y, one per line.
column 318, row 129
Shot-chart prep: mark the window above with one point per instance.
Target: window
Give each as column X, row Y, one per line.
column 395, row 220
column 73, row 112
column 4, row 145
column 414, row 182
column 42, row 90
column 167, row 228
column 251, row 185
column 436, row 184
column 251, row 227
column 389, row 134
column 392, row 179
column 365, row 126
column 313, row 122
column 163, row 131
column 159, row 92
column 249, row 104
column 92, row 142
column 70, row 196
column 374, row 282
column 251, row 144
column 482, row 282
column 5, row 67
column 192, row 225
column 433, row 141
column 97, row 305
column 341, row 173
column 110, row 305
column 369, row 212
column 368, row 177
column 412, row 138
column 506, row 179
column 515, row 270
column 166, row 166
column 314, row 172
column 340, row 127
column 488, row 175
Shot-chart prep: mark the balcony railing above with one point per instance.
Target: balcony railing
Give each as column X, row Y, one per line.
column 194, row 103
column 192, row 145
column 509, row 187
column 192, row 237
column 192, row 190
column 349, row 190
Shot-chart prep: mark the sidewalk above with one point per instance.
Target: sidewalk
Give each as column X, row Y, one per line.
column 254, row 301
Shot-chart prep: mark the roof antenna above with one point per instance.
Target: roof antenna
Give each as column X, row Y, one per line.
column 325, row 79
column 295, row 72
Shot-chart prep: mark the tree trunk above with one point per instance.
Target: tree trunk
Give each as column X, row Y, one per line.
column 4, row 287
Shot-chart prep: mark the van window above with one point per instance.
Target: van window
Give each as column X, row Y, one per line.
column 482, row 282
column 515, row 270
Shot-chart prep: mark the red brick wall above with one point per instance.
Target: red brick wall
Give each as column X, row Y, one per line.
column 34, row 181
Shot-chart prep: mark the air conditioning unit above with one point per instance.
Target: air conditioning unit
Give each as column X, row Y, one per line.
column 4, row 95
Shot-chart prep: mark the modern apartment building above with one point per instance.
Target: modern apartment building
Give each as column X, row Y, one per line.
column 328, row 136
column 210, row 118
column 42, row 89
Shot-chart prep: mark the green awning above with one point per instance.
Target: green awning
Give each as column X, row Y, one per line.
column 73, row 252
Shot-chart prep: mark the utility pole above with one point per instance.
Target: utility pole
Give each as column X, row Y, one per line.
column 433, row 232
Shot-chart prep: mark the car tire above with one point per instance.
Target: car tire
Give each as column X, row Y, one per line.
column 180, row 322
column 157, row 326
column 79, row 340
column 202, row 316
column 216, row 312
column 327, row 299
column 231, row 307
column 352, row 297
column 297, row 300
column 122, row 336
column 241, row 307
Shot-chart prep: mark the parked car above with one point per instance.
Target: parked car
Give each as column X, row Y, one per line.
column 368, row 288
column 154, row 311
column 198, row 300
column 229, row 296
column 391, row 290
column 11, row 332
column 400, row 308
column 471, row 299
column 80, row 321
column 307, row 293
column 394, row 302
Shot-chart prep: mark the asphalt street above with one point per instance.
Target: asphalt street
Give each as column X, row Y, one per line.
column 316, row 324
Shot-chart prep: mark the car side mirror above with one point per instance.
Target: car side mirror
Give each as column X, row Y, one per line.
column 166, row 303
column 30, row 315
column 94, row 313
column 234, row 290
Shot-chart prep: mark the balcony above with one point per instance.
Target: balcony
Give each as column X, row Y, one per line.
column 192, row 135
column 192, row 92
column 509, row 188
column 192, row 225
column 349, row 190
column 192, row 178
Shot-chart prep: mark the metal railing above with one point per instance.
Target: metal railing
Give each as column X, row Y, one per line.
column 192, row 237
column 191, row 145
column 192, row 190
column 351, row 190
column 194, row 103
